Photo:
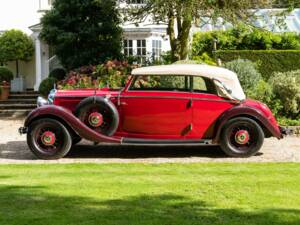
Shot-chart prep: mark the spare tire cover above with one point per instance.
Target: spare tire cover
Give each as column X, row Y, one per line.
column 103, row 106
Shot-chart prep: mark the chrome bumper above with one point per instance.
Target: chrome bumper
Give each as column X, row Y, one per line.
column 23, row 130
column 286, row 131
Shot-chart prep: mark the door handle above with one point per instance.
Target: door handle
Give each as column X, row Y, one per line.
column 190, row 104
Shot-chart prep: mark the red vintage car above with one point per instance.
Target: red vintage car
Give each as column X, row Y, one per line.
column 160, row 105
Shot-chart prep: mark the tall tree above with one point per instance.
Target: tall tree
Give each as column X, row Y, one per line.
column 15, row 46
column 180, row 15
column 83, row 32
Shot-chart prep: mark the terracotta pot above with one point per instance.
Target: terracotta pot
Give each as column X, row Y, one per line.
column 4, row 93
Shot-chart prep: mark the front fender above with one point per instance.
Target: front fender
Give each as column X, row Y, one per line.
column 67, row 116
column 246, row 111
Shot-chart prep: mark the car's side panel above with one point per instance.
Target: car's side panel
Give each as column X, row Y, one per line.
column 155, row 114
column 207, row 108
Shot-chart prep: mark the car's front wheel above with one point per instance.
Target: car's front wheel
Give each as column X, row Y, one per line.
column 48, row 139
column 241, row 137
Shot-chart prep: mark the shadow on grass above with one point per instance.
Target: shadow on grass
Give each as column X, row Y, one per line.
column 31, row 205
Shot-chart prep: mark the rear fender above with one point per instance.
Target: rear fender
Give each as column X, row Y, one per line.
column 244, row 111
column 72, row 121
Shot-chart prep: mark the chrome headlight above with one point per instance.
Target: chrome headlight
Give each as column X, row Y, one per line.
column 51, row 96
column 42, row 101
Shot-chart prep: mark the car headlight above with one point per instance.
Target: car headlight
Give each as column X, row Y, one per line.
column 51, row 96
column 42, row 101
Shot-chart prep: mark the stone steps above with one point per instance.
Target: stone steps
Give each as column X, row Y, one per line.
column 18, row 105
column 18, row 101
column 23, row 96
column 14, row 113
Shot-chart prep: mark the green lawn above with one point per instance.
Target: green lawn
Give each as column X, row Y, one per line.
column 138, row 194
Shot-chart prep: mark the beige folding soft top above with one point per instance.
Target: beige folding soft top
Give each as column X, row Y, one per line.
column 226, row 76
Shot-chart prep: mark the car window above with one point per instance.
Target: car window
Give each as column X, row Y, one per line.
column 203, row 85
column 161, row 83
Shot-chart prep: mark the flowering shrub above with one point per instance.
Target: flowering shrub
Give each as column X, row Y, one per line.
column 112, row 74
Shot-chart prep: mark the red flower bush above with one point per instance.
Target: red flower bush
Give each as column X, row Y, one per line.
column 112, row 74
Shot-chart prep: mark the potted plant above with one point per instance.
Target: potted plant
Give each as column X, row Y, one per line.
column 5, row 77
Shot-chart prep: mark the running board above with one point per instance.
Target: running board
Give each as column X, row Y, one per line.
column 137, row 141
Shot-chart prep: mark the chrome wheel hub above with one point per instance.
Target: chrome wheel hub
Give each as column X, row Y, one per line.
column 95, row 119
column 242, row 137
column 48, row 138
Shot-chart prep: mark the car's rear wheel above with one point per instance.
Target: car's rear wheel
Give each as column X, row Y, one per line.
column 48, row 139
column 241, row 137
column 99, row 114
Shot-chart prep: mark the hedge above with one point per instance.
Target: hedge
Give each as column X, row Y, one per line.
column 269, row 61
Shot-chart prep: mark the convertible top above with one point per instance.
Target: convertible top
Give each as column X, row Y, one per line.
column 226, row 76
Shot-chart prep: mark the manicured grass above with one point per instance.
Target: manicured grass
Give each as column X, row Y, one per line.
column 137, row 194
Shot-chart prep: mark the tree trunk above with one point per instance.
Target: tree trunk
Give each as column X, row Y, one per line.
column 184, row 38
column 17, row 68
column 179, row 45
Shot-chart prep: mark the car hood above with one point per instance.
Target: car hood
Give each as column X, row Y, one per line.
column 82, row 93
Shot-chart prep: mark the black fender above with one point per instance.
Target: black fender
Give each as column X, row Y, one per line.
column 67, row 117
column 245, row 111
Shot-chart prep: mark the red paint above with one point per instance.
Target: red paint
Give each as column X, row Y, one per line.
column 48, row 138
column 242, row 137
column 160, row 114
column 95, row 119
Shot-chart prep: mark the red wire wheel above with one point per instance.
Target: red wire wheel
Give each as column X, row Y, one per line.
column 48, row 139
column 99, row 114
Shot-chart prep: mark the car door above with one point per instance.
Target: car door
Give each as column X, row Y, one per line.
column 207, row 107
column 156, row 107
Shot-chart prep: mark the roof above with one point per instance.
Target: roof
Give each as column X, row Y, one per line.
column 226, row 76
column 186, row 69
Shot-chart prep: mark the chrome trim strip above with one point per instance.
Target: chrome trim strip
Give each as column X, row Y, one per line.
column 162, row 97
column 180, row 98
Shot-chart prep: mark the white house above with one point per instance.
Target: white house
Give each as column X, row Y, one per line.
column 146, row 41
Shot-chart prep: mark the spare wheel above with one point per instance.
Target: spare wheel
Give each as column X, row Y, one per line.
column 99, row 114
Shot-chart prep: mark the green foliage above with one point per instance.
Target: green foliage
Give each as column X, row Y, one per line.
column 59, row 74
column 112, row 74
column 211, row 193
column 246, row 71
column 185, row 13
column 269, row 61
column 83, row 32
column 244, row 38
column 5, row 75
column 15, row 45
column 263, row 92
column 46, row 86
column 286, row 87
column 283, row 121
column 205, row 59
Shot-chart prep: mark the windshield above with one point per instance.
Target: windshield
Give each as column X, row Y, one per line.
column 224, row 91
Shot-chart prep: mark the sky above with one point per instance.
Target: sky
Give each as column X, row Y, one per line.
column 18, row 14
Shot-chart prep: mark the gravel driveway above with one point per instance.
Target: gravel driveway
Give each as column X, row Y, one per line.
column 13, row 149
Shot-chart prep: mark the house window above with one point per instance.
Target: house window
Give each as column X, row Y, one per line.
column 156, row 49
column 141, row 51
column 136, row 1
column 128, row 48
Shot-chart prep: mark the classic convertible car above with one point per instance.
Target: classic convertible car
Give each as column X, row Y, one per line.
column 160, row 105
